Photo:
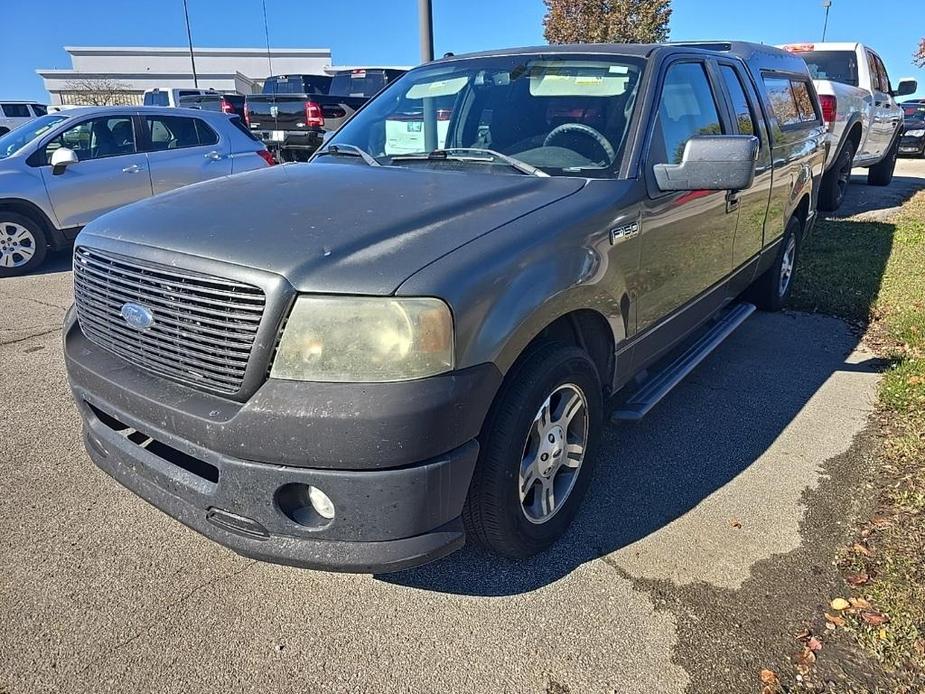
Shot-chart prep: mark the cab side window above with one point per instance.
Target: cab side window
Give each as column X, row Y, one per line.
column 176, row 132
column 741, row 109
column 98, row 138
column 687, row 108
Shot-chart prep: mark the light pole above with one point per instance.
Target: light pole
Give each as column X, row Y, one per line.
column 189, row 36
column 826, row 4
column 426, row 21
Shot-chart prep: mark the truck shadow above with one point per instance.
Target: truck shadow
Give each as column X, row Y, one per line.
column 704, row 434
column 871, row 201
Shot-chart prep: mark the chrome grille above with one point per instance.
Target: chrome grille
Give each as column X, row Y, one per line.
column 204, row 327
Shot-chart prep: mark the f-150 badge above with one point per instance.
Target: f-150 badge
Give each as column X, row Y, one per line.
column 623, row 232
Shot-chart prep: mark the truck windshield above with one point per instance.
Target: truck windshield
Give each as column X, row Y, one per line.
column 836, row 66
column 18, row 138
column 566, row 116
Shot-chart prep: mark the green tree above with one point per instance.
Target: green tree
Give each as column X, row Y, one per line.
column 606, row 21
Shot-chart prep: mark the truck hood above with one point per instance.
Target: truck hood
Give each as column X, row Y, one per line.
column 331, row 227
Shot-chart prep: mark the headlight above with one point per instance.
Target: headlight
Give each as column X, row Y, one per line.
column 916, row 133
column 365, row 339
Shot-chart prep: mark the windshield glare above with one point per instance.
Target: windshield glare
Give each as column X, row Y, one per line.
column 836, row 66
column 566, row 116
column 18, row 138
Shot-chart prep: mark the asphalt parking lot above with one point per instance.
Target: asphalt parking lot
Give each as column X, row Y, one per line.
column 702, row 519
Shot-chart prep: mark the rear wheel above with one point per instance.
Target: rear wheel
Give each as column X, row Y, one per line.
column 537, row 452
column 23, row 244
column 772, row 290
column 882, row 174
column 835, row 182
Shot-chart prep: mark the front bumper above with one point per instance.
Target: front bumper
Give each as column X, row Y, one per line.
column 253, row 498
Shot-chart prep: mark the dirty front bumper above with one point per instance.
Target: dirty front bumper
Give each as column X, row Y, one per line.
column 394, row 459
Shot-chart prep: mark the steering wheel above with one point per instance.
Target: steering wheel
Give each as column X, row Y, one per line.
column 587, row 131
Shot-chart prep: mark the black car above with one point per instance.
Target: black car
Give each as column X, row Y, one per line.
column 913, row 139
column 226, row 103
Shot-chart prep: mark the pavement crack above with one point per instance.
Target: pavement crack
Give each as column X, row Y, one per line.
column 15, row 340
column 40, row 302
column 164, row 610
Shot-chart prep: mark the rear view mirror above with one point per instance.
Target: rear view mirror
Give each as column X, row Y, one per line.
column 711, row 162
column 62, row 158
column 907, row 86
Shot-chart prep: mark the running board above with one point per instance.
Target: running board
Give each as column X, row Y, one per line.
column 644, row 399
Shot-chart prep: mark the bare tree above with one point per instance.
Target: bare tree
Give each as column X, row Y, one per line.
column 100, row 91
column 606, row 21
column 919, row 57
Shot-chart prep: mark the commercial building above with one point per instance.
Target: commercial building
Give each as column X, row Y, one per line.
column 126, row 72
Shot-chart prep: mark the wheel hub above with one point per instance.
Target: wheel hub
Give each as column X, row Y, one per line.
column 551, row 448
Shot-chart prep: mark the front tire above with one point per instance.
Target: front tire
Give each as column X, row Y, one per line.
column 538, row 448
column 835, row 182
column 771, row 291
column 23, row 244
column 881, row 174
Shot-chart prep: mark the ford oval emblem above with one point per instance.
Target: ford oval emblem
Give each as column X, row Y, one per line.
column 137, row 316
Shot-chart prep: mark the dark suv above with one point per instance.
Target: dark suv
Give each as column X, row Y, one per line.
column 418, row 336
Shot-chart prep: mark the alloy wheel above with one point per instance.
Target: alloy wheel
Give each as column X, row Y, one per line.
column 17, row 245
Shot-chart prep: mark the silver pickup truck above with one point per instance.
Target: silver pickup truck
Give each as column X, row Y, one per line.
column 365, row 359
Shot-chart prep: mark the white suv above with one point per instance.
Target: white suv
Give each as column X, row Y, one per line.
column 15, row 113
column 859, row 107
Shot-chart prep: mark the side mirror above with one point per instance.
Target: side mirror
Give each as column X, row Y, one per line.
column 907, row 86
column 711, row 162
column 62, row 158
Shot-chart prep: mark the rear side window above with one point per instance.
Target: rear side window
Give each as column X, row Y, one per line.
column 687, row 108
column 176, row 132
column 782, row 101
column 237, row 123
column 16, row 111
column 39, row 110
column 743, row 113
column 358, row 83
column 804, row 101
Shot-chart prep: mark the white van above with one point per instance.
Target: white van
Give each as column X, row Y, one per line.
column 169, row 97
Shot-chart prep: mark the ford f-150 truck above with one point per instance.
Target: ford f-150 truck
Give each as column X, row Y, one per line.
column 369, row 358
column 860, row 110
column 295, row 111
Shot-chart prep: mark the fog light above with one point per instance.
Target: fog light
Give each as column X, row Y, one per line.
column 321, row 503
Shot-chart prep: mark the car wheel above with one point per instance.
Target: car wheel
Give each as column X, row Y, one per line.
column 23, row 244
column 772, row 290
column 882, row 174
column 836, row 180
column 537, row 451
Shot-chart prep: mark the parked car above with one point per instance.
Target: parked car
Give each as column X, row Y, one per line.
column 169, row 97
column 860, row 109
column 393, row 351
column 15, row 113
column 214, row 101
column 913, row 140
column 295, row 111
column 63, row 170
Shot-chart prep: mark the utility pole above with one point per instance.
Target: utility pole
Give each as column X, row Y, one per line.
column 189, row 36
column 426, row 18
column 826, row 4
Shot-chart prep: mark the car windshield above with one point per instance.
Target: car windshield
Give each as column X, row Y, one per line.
column 566, row 116
column 16, row 139
column 836, row 66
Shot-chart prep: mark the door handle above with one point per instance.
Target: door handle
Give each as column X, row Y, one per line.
column 213, row 155
column 732, row 201
column 134, row 168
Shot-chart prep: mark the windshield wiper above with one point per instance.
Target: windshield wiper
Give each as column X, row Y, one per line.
column 348, row 151
column 482, row 155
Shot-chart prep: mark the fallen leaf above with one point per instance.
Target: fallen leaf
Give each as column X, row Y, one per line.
column 835, row 620
column 859, row 603
column 857, row 579
column 803, row 634
column 769, row 677
column 875, row 619
column 814, row 644
column 840, row 604
column 804, row 660
column 734, row 523
column 861, row 549
column 830, row 626
column 883, row 634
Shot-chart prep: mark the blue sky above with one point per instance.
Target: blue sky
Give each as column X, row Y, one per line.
column 385, row 31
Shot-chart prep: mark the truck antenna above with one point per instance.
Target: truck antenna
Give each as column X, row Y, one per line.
column 266, row 33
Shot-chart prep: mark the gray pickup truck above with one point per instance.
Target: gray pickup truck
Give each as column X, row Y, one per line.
column 418, row 336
